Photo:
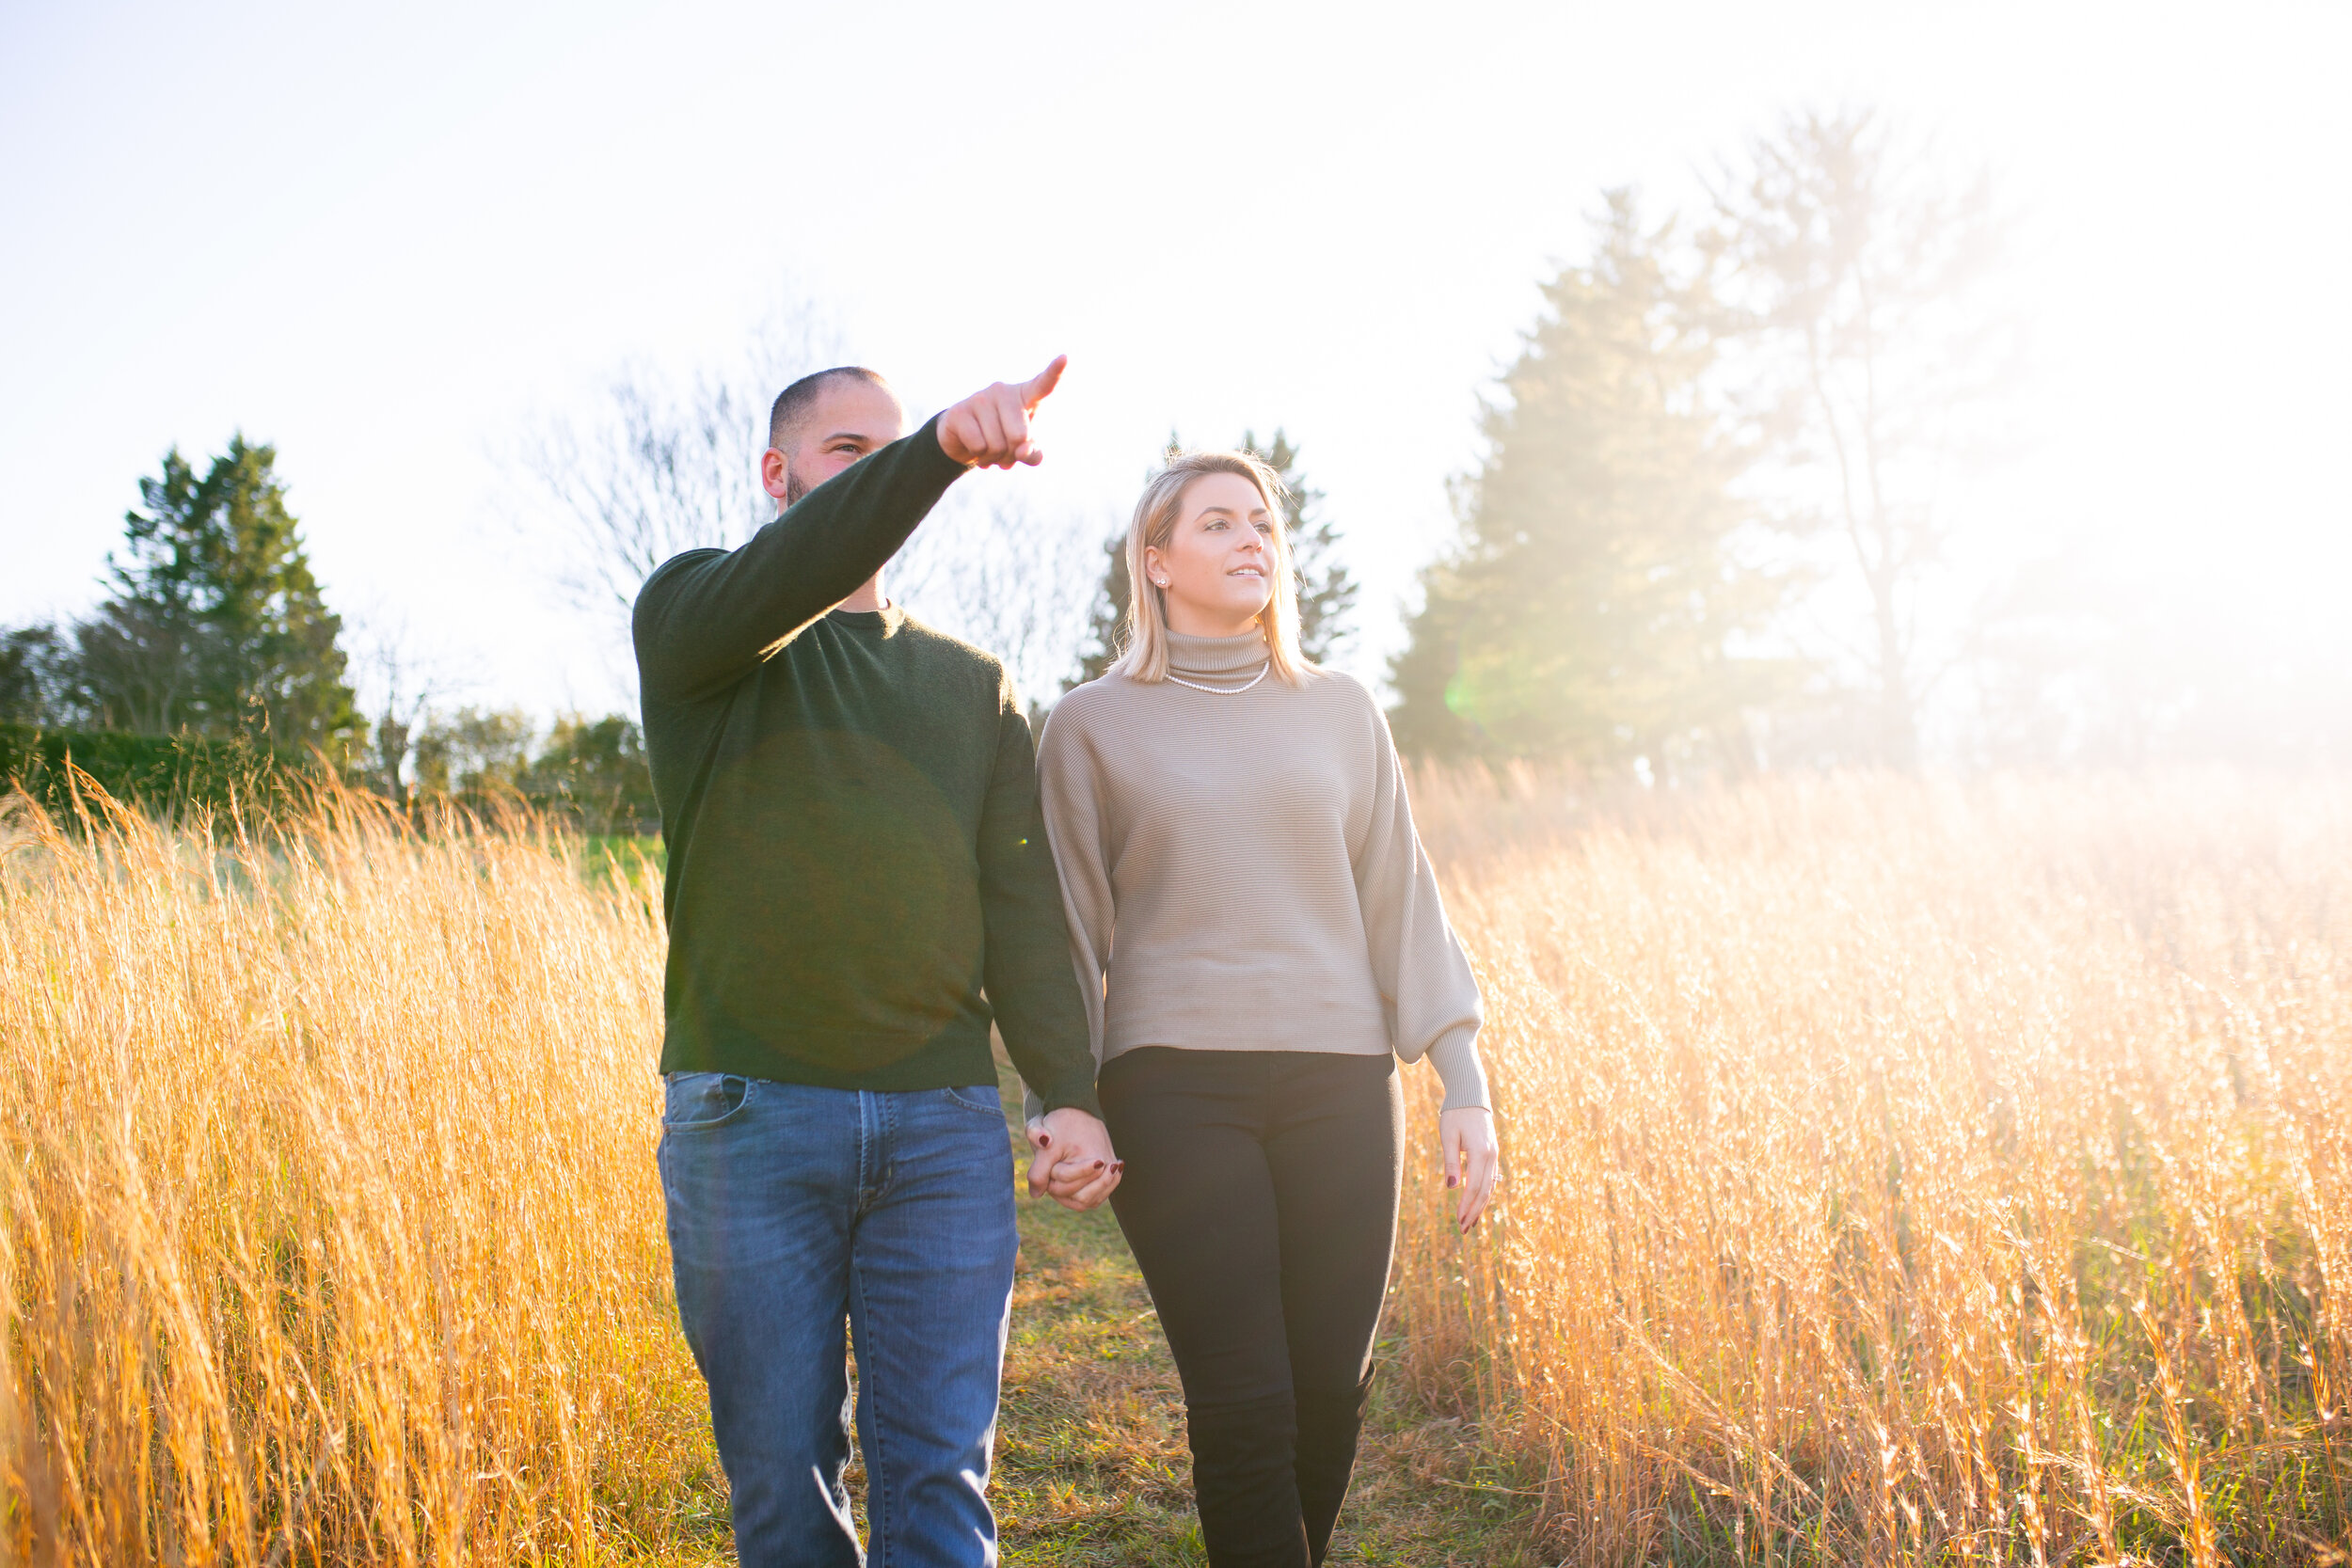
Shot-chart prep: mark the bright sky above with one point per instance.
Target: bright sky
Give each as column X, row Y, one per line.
column 388, row 238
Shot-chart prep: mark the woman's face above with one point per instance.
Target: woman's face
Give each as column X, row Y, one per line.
column 1218, row 567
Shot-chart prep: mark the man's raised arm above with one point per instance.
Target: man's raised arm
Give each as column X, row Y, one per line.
column 707, row 617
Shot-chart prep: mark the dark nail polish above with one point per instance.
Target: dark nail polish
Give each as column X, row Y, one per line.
column 1098, row 1165
column 1451, row 1182
column 1045, row 1140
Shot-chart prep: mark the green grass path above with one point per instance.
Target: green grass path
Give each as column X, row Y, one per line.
column 1091, row 1467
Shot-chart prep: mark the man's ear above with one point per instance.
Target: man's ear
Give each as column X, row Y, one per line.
column 773, row 475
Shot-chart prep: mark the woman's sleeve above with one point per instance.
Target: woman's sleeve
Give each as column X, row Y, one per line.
column 1423, row 975
column 1070, row 790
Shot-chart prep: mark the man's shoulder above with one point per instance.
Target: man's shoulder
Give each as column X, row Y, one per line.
column 933, row 646
column 943, row 656
column 663, row 575
column 930, row 640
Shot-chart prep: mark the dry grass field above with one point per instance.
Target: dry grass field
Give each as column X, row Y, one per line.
column 1900, row 1173
column 1896, row 1172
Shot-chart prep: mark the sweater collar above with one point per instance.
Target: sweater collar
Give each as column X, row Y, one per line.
column 1211, row 657
column 886, row 619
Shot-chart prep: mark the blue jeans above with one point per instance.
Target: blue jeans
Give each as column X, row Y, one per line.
column 794, row 1209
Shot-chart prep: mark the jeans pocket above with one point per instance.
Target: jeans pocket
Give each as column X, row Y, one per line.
column 698, row 1099
column 977, row 1096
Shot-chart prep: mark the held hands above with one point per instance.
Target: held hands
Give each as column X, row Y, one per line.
column 1467, row 1153
column 1072, row 1158
column 991, row 428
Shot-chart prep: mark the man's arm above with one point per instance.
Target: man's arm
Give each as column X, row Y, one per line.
column 1031, row 987
column 705, row 618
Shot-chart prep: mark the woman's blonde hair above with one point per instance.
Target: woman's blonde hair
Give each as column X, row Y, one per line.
column 1144, row 635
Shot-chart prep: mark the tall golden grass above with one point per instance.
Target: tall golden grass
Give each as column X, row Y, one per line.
column 1898, row 1173
column 1902, row 1173
column 331, row 1226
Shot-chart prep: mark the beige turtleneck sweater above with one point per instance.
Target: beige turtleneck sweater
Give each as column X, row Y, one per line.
column 1241, row 873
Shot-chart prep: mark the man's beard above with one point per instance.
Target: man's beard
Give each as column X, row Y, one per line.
column 794, row 485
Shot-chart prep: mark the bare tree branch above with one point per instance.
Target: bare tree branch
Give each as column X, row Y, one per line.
column 660, row 468
column 1853, row 266
column 990, row 569
column 400, row 681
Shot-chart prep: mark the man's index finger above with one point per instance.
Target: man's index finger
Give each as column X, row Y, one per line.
column 1043, row 382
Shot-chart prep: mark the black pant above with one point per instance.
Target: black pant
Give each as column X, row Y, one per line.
column 1260, row 1197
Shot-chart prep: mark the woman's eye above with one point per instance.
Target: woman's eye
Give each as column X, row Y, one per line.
column 1214, row 524
column 1267, row 529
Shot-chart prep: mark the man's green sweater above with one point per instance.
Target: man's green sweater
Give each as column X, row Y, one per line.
column 850, row 803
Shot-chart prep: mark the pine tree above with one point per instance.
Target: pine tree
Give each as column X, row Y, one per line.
column 1107, row 628
column 1590, row 610
column 594, row 771
column 216, row 623
column 34, row 673
column 1326, row 591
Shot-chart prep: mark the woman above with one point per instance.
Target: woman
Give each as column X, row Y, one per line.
column 1237, row 817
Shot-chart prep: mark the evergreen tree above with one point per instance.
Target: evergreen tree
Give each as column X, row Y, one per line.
column 34, row 677
column 1591, row 609
column 1107, row 628
column 217, row 623
column 474, row 751
column 597, row 772
column 1326, row 591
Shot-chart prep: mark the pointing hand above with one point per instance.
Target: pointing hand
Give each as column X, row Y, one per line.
column 991, row 428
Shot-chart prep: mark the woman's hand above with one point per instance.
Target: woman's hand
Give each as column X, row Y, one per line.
column 1071, row 1159
column 1466, row 1146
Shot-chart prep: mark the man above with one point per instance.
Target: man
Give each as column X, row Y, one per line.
column 858, row 883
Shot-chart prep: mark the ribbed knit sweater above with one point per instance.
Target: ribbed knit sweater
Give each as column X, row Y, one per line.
column 1240, row 869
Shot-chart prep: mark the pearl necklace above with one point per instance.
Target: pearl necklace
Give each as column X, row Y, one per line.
column 1227, row 691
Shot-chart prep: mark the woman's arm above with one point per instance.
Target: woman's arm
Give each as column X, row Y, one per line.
column 1425, row 977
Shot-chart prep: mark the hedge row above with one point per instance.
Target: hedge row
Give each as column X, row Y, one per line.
column 166, row 774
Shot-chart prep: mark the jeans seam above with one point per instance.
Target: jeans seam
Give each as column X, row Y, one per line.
column 886, row 1167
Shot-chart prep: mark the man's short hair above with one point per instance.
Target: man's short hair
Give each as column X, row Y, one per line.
column 794, row 402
